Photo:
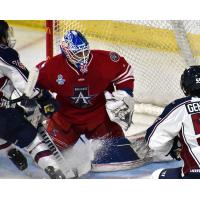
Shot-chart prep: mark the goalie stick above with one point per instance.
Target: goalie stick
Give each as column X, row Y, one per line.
column 32, row 80
column 37, row 121
column 30, row 85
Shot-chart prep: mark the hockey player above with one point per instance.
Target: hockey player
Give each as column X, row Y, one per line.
column 80, row 77
column 176, row 131
column 14, row 128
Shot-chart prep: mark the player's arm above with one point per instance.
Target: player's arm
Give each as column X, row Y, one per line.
column 18, row 75
column 124, row 79
column 120, row 103
column 44, row 75
column 48, row 104
column 16, row 72
column 160, row 136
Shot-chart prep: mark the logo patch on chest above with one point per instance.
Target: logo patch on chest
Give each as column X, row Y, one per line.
column 81, row 97
column 60, row 80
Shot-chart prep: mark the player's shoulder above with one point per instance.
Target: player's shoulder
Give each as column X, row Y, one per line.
column 175, row 106
column 177, row 103
column 8, row 55
column 181, row 101
column 49, row 62
column 55, row 59
column 109, row 55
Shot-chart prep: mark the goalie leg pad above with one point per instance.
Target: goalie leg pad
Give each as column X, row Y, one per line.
column 63, row 137
column 115, row 150
column 104, row 130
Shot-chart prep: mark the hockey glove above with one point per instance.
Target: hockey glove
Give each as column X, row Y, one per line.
column 176, row 149
column 120, row 107
column 27, row 105
column 48, row 105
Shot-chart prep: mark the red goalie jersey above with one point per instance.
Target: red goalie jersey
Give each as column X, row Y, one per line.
column 81, row 95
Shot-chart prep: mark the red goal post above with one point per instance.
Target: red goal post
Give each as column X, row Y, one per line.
column 49, row 38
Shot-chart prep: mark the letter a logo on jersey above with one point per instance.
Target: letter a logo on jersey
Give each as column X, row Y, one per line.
column 81, row 97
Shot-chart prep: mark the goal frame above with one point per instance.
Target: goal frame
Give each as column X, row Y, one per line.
column 49, row 39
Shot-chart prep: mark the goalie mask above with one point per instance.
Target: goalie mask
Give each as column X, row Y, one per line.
column 76, row 48
column 6, row 34
column 190, row 81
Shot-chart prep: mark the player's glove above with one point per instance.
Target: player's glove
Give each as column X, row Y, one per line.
column 48, row 105
column 120, row 107
column 176, row 149
column 27, row 106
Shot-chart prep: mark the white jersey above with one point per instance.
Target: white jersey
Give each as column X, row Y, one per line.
column 180, row 118
column 13, row 74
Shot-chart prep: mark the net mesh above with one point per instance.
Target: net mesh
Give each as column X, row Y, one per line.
column 157, row 50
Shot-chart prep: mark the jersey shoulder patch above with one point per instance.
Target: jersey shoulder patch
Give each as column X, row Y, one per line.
column 114, row 56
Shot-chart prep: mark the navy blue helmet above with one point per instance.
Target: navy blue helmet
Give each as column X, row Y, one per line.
column 190, row 81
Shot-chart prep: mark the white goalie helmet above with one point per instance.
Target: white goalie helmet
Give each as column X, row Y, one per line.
column 76, row 48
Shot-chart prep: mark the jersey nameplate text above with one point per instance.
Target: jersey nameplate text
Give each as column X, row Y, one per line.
column 193, row 107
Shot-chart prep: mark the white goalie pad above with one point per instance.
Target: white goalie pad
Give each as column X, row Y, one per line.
column 120, row 107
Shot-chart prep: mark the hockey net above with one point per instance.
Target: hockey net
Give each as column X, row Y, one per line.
column 158, row 50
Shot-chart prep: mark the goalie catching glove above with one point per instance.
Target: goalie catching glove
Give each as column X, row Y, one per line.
column 120, row 107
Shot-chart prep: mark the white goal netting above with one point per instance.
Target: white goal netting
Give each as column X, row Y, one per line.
column 158, row 50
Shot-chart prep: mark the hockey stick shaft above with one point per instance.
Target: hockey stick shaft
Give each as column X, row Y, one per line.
column 54, row 149
column 29, row 87
column 32, row 80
